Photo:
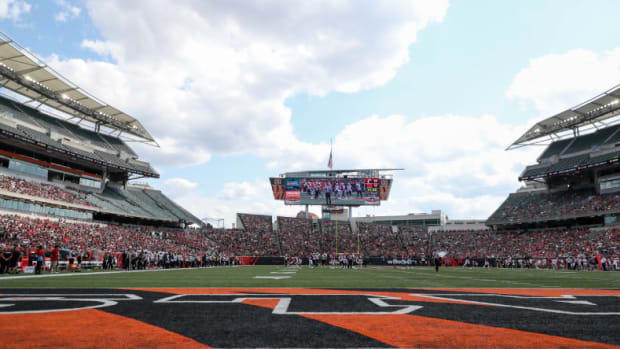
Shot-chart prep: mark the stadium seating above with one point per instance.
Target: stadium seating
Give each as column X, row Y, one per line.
column 254, row 222
column 596, row 159
column 379, row 240
column 163, row 202
column 109, row 146
column 530, row 207
column 415, row 240
column 32, row 232
column 569, row 163
column 42, row 190
column 556, row 148
column 336, row 236
column 297, row 236
column 141, row 202
column 535, row 170
column 547, row 244
column 376, row 240
column 591, row 141
column 237, row 242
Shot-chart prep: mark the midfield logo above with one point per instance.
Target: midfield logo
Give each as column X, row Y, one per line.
column 306, row 304
column 316, row 303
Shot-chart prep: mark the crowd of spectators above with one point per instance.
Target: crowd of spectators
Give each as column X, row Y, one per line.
column 254, row 222
column 336, row 236
column 379, row 240
column 527, row 207
column 238, row 242
column 415, row 240
column 543, row 244
column 93, row 238
column 135, row 247
column 297, row 236
column 42, row 190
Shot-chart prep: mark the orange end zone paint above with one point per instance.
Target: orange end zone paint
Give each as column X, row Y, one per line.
column 88, row 328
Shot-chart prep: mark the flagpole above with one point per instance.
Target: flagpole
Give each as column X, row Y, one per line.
column 331, row 148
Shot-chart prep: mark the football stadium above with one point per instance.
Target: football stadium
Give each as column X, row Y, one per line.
column 94, row 257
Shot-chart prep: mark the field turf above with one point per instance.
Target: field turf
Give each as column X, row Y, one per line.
column 276, row 307
column 371, row 277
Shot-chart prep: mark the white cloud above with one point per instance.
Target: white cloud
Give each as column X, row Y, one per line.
column 212, row 77
column 179, row 186
column 557, row 82
column 103, row 48
column 13, row 9
column 67, row 11
column 241, row 191
column 246, row 197
column 453, row 163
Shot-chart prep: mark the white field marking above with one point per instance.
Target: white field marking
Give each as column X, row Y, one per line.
column 478, row 279
column 104, row 301
column 439, row 297
column 283, row 272
column 108, row 296
column 272, row 277
column 20, row 277
column 425, row 281
column 285, row 300
column 577, row 302
column 448, row 276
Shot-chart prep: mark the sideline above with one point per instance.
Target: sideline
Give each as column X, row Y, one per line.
column 21, row 277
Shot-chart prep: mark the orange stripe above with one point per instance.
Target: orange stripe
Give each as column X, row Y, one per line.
column 89, row 328
column 535, row 292
column 417, row 331
column 265, row 303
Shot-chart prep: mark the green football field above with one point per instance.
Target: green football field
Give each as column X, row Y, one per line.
column 280, row 276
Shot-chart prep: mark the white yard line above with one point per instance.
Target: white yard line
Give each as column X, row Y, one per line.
column 21, row 277
column 438, row 274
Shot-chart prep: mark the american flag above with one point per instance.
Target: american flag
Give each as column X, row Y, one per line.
column 329, row 163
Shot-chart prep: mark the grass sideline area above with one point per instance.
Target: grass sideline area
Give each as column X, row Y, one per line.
column 370, row 277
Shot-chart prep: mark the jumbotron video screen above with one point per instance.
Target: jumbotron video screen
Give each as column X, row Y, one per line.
column 337, row 191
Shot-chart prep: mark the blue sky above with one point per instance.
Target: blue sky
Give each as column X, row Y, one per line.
column 266, row 95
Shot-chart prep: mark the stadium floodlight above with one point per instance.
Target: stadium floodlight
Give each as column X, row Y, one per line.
column 578, row 118
column 29, row 76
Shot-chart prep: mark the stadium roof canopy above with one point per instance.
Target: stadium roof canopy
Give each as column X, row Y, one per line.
column 595, row 110
column 24, row 73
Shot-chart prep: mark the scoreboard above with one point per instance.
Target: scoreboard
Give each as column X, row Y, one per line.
column 372, row 184
column 339, row 191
